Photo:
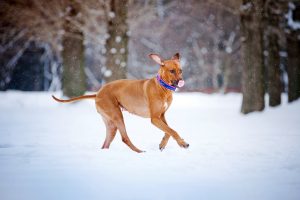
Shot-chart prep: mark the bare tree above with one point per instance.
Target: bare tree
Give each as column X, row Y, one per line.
column 74, row 79
column 272, row 32
column 55, row 23
column 293, row 50
column 117, row 40
column 252, row 56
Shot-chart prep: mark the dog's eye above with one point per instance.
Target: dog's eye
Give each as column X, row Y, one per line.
column 172, row 71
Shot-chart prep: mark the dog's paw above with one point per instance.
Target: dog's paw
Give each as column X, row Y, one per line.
column 186, row 145
column 183, row 144
column 162, row 146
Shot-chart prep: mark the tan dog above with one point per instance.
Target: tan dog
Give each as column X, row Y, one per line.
column 148, row 98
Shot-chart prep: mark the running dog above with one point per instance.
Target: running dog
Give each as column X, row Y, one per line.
column 149, row 98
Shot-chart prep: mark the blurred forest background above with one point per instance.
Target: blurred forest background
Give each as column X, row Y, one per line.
column 252, row 47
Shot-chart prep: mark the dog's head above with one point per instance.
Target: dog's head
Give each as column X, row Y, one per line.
column 170, row 70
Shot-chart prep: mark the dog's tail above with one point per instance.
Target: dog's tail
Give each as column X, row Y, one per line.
column 75, row 98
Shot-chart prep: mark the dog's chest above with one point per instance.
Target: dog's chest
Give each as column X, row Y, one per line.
column 166, row 105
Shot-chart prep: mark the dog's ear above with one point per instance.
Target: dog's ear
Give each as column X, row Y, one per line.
column 156, row 58
column 176, row 57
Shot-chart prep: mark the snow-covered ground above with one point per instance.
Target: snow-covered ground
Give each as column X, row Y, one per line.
column 52, row 151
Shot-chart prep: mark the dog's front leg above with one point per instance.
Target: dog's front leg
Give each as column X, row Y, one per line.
column 166, row 137
column 164, row 141
column 158, row 122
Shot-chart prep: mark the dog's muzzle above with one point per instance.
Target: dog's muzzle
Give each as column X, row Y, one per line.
column 178, row 83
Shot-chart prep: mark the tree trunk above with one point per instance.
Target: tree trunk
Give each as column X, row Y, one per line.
column 252, row 56
column 293, row 66
column 116, row 44
column 74, row 79
column 273, row 71
column 293, row 49
column 274, row 85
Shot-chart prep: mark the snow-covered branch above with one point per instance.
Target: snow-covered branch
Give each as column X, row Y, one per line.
column 295, row 25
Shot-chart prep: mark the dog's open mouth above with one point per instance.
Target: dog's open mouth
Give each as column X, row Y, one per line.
column 178, row 83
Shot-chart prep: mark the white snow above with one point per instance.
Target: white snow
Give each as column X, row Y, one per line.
column 118, row 39
column 283, row 54
column 266, row 53
column 111, row 14
column 108, row 73
column 204, row 50
column 246, row 6
column 123, row 64
column 291, row 23
column 52, row 151
column 228, row 49
column 113, row 50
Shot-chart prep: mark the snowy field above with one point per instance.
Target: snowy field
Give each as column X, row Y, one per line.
column 52, row 151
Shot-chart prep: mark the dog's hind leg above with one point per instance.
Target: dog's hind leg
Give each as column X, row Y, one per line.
column 121, row 127
column 111, row 131
column 117, row 118
column 111, row 111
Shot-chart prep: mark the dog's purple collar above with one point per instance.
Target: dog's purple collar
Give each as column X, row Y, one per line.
column 164, row 84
